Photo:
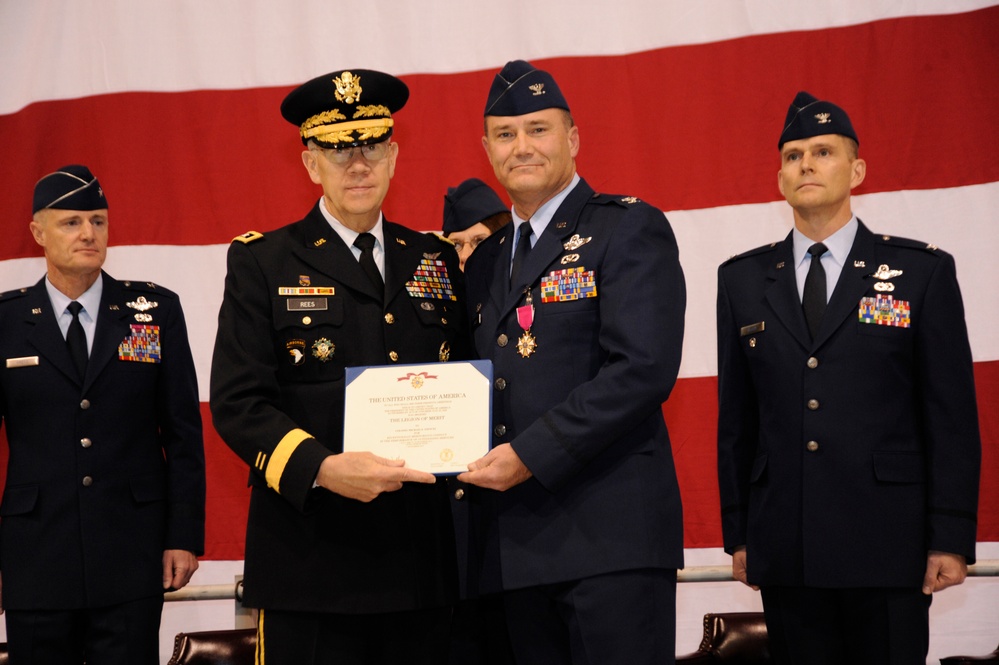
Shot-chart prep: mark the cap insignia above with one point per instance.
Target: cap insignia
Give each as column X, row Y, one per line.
column 823, row 118
column 537, row 88
column 348, row 88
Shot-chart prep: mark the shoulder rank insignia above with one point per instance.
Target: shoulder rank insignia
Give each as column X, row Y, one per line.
column 575, row 242
column 248, row 237
column 630, row 199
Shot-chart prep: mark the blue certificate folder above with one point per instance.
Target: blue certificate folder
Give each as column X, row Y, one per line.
column 436, row 416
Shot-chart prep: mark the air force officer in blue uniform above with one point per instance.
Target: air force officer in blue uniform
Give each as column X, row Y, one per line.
column 579, row 304
column 848, row 443
column 104, row 506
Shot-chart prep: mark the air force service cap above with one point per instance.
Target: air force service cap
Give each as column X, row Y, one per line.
column 72, row 187
column 808, row 117
column 519, row 89
column 345, row 109
column 468, row 204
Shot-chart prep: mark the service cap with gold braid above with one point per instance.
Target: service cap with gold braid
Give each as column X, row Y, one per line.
column 345, row 109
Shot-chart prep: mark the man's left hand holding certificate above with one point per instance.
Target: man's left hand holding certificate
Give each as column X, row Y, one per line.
column 436, row 416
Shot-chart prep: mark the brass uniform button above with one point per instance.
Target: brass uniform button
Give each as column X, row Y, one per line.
column 393, row 356
column 87, row 481
column 812, row 446
column 85, row 404
column 459, row 494
column 813, row 362
column 85, row 442
column 813, row 404
column 389, row 319
column 502, row 340
column 499, row 430
column 500, row 383
column 306, row 320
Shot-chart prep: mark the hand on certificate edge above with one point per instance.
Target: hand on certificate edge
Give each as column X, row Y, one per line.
column 363, row 475
column 500, row 469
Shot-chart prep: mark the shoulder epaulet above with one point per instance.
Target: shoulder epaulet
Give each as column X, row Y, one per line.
column 146, row 287
column 442, row 238
column 908, row 243
column 248, row 237
column 762, row 249
column 618, row 199
column 15, row 293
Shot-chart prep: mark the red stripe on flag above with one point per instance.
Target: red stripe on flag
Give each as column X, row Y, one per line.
column 684, row 128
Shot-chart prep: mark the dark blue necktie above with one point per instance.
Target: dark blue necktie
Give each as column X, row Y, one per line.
column 520, row 253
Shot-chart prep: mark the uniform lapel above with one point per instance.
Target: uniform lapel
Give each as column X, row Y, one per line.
column 852, row 284
column 782, row 293
column 43, row 331
column 323, row 249
column 401, row 261
column 113, row 321
column 549, row 246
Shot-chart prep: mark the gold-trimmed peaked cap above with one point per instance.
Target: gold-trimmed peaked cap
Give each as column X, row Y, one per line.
column 344, row 109
column 520, row 88
column 808, row 116
column 72, row 187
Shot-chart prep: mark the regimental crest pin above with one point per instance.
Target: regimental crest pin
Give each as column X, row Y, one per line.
column 323, row 349
column 537, row 88
column 575, row 242
column 823, row 118
column 304, row 280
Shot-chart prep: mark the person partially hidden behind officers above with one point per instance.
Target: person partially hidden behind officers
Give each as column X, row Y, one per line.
column 580, row 306
column 472, row 213
column 349, row 556
column 848, row 442
column 104, row 506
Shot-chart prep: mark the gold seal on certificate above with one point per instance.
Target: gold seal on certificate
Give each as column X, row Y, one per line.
column 434, row 416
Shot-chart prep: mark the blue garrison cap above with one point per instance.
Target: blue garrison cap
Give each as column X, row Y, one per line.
column 808, row 117
column 519, row 89
column 346, row 108
column 468, row 204
column 72, row 187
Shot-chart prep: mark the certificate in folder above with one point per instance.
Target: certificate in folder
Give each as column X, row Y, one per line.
column 435, row 416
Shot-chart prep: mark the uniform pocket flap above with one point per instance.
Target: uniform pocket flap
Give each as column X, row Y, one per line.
column 19, row 500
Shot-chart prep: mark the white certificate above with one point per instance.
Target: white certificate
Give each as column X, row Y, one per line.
column 436, row 416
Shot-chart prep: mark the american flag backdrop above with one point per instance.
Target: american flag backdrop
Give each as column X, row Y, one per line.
column 174, row 106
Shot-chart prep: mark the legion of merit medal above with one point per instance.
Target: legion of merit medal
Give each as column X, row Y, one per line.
column 527, row 344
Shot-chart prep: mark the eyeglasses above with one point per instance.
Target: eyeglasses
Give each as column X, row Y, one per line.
column 372, row 152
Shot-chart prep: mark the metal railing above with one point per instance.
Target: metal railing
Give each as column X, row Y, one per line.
column 985, row 568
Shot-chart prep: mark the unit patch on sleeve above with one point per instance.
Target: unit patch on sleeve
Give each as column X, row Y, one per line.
column 142, row 346
column 569, row 284
column 431, row 281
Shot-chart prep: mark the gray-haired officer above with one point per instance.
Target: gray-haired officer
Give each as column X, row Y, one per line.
column 104, row 506
column 349, row 556
column 848, row 443
column 472, row 213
